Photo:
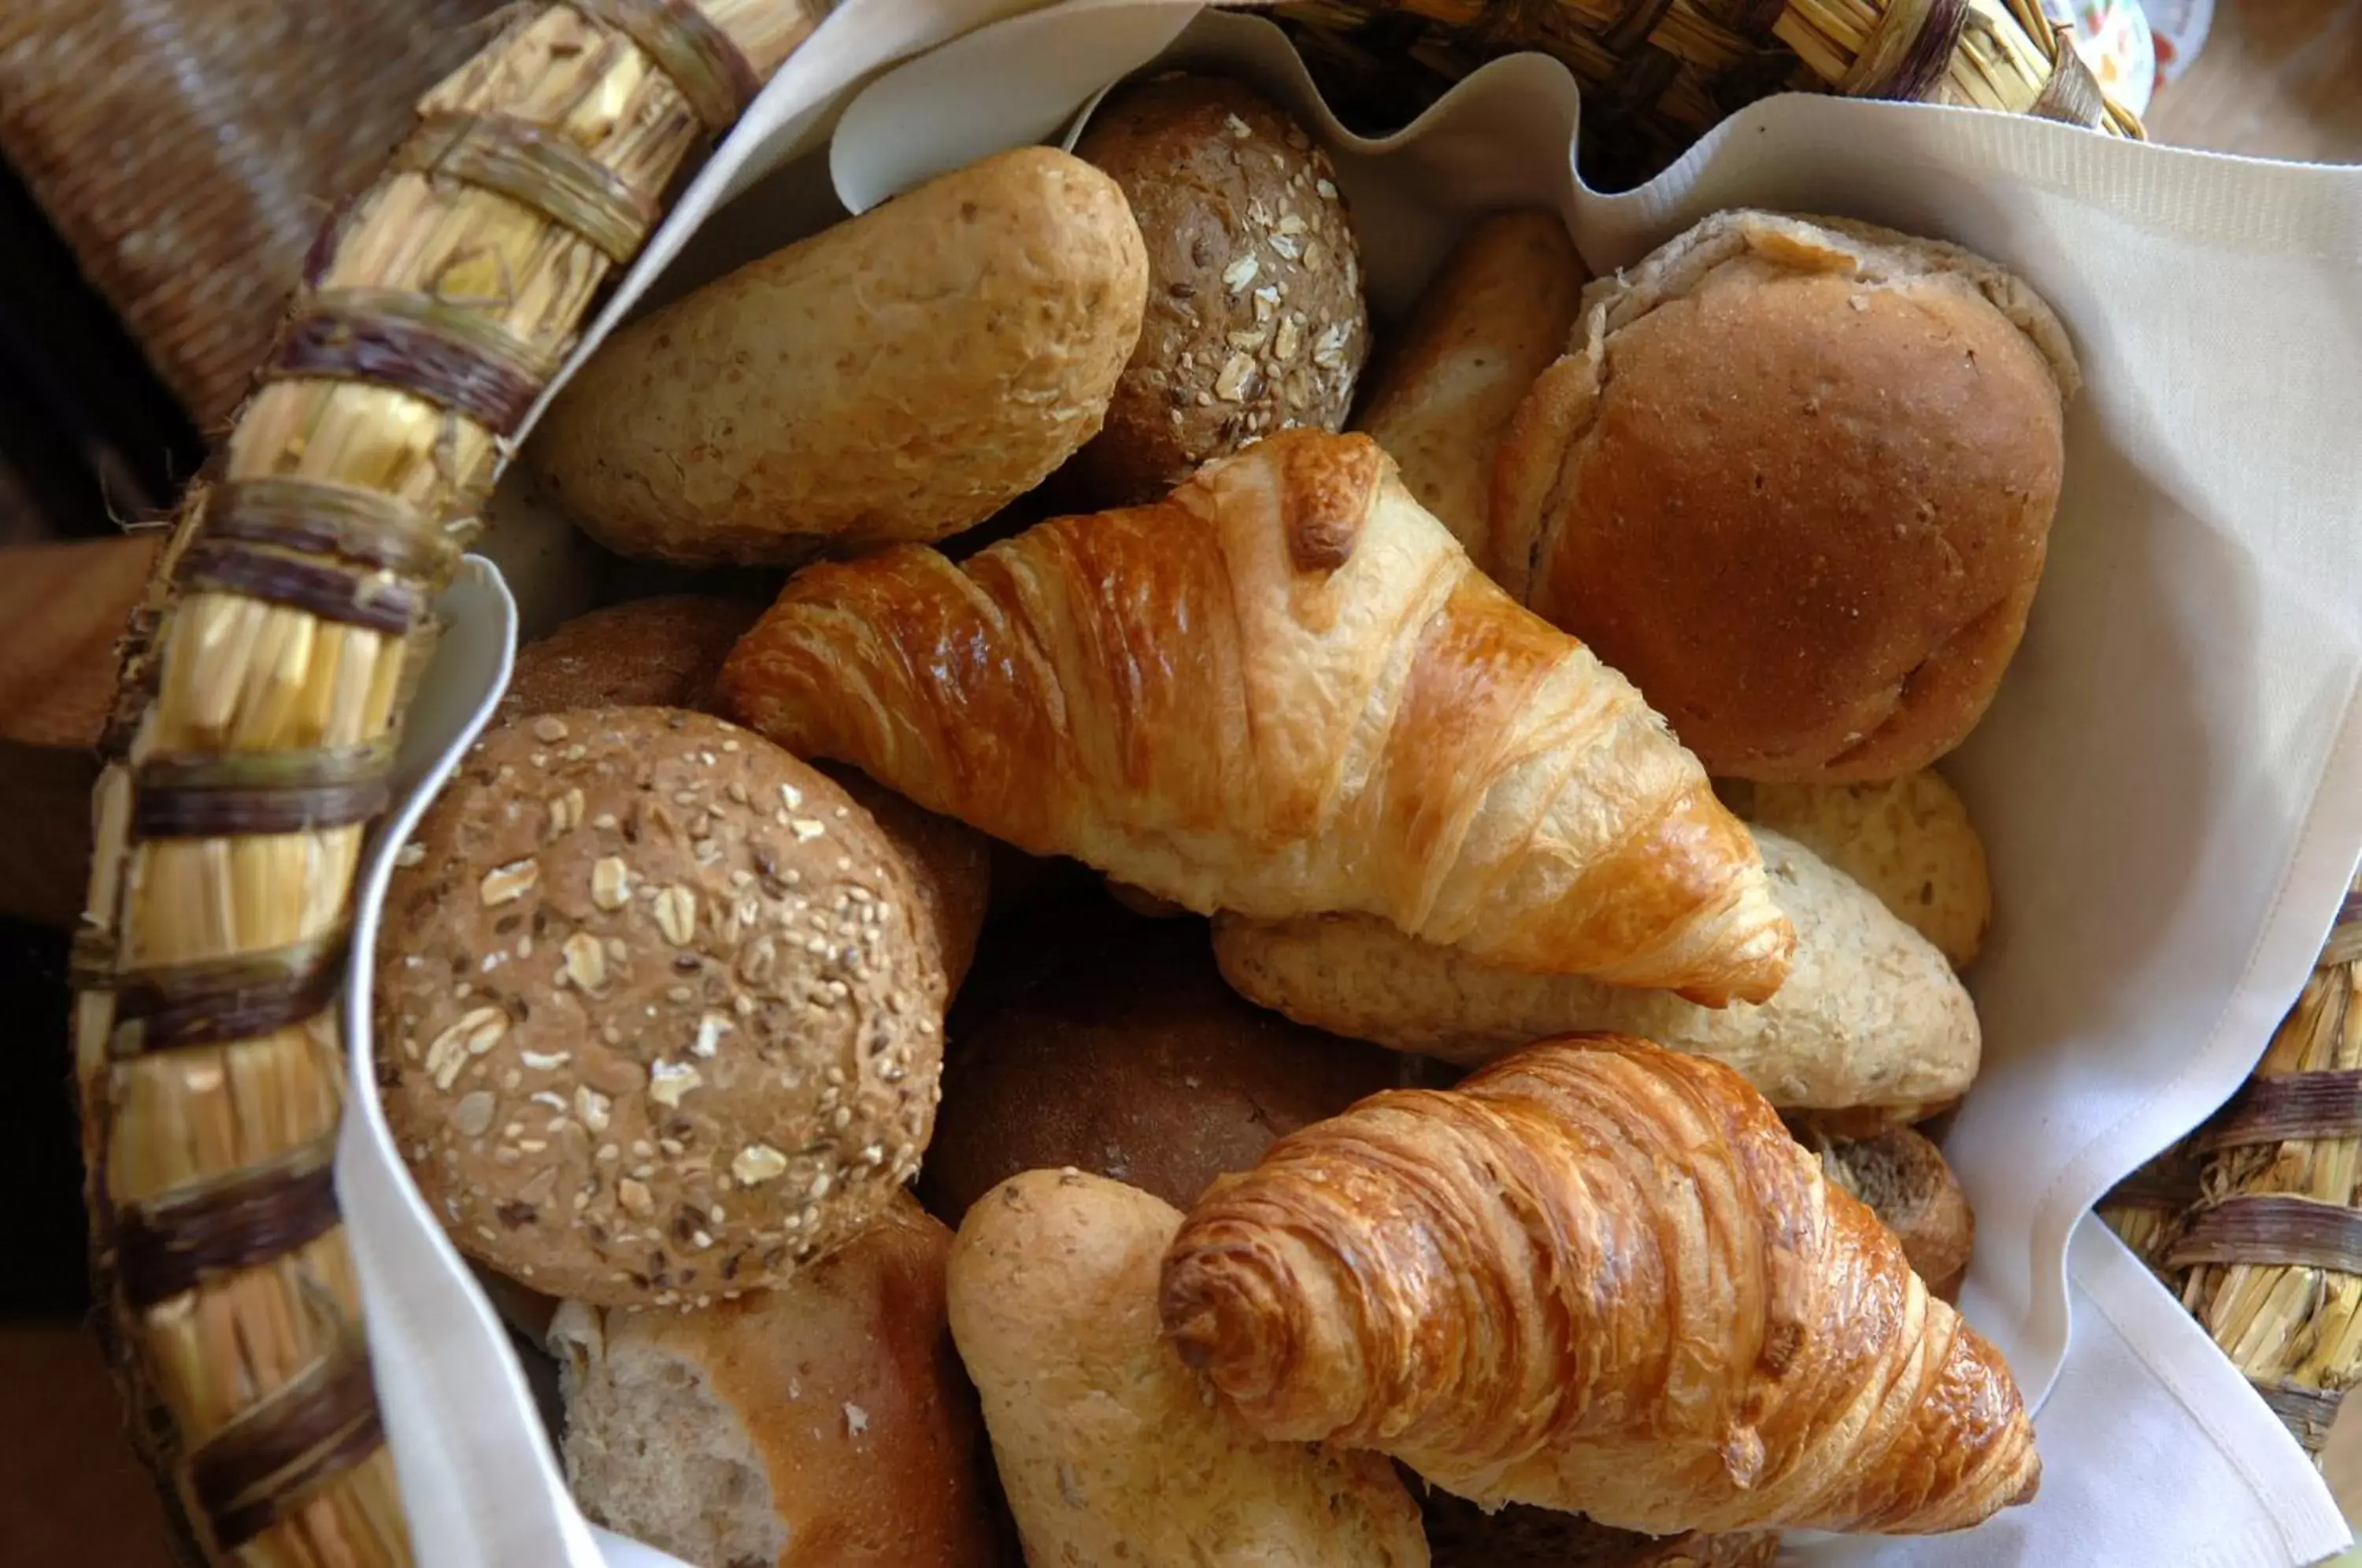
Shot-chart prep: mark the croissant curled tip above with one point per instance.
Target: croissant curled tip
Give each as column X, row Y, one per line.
column 1215, row 1303
column 1324, row 484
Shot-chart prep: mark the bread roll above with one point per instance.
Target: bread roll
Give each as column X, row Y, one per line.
column 1795, row 479
column 665, row 653
column 1908, row 840
column 1461, row 1534
column 657, row 1015
column 825, row 1424
column 950, row 864
column 1903, row 1179
column 1871, row 1015
column 1110, row 1450
column 1451, row 378
column 1254, row 318
column 901, row 376
column 1133, row 1060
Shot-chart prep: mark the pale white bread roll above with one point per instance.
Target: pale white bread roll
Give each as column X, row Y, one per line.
column 1496, row 316
column 1871, row 1014
column 1111, row 1449
column 825, row 1424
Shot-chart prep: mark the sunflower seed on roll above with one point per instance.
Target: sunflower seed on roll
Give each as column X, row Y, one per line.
column 1255, row 319
column 658, row 1013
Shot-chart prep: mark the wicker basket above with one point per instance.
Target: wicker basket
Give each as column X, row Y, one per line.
column 1656, row 74
column 247, row 118
column 266, row 674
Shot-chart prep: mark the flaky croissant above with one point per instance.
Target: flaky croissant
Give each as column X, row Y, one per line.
column 1281, row 690
column 1597, row 1275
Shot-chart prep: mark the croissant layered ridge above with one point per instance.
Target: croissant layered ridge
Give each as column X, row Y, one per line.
column 1281, row 690
column 1599, row 1276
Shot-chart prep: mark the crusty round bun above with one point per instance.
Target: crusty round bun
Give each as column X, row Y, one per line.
column 643, row 653
column 664, row 652
column 1133, row 1060
column 1255, row 319
column 825, row 1424
column 658, row 1016
column 1795, row 479
column 1908, row 840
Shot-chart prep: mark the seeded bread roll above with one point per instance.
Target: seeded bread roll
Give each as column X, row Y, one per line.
column 658, row 1014
column 825, row 1424
column 665, row 653
column 1796, row 481
column 1254, row 320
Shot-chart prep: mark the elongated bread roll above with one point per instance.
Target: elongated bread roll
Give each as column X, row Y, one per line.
column 1871, row 1015
column 1110, row 1450
column 1492, row 320
column 1283, row 690
column 901, row 376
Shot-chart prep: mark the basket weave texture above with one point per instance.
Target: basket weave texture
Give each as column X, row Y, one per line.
column 266, row 674
column 1656, row 74
column 263, row 684
column 188, row 149
column 2256, row 1220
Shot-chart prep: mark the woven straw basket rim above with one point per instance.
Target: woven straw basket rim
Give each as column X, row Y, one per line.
column 265, row 676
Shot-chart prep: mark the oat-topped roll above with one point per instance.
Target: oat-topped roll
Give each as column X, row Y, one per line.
column 658, row 1011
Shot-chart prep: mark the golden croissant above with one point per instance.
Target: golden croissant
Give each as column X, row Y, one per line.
column 1281, row 690
column 1598, row 1275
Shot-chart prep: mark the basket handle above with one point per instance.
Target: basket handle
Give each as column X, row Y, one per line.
column 264, row 677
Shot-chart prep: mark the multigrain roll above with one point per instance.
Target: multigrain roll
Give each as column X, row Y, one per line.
column 1254, row 320
column 666, row 652
column 1795, row 479
column 658, row 1016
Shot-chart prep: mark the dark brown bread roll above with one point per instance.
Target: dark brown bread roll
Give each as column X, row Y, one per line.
column 643, row 653
column 1460, row 1534
column 1795, row 479
column 1132, row 1059
column 1255, row 320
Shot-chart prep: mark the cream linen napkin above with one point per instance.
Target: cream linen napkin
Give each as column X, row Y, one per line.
column 2170, row 783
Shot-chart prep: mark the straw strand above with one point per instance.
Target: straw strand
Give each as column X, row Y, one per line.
column 263, row 682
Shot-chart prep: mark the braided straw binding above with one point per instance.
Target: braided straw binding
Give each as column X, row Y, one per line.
column 1658, row 73
column 264, row 680
column 2270, row 1256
